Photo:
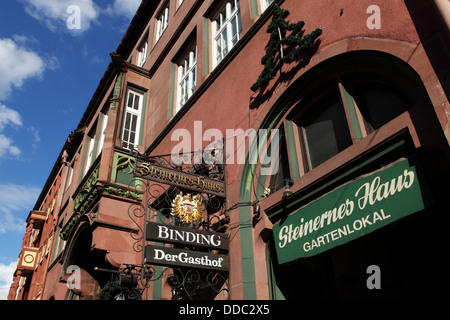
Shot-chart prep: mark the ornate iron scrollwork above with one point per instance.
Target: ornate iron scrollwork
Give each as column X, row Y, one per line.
column 193, row 284
column 158, row 193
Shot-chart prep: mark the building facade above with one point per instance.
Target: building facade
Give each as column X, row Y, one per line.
column 349, row 201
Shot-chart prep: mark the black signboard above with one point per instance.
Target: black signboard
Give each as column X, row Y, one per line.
column 183, row 235
column 151, row 171
column 157, row 255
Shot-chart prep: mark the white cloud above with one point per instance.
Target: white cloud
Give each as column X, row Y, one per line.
column 17, row 64
column 6, row 277
column 36, row 138
column 125, row 8
column 16, row 199
column 7, row 147
column 55, row 13
column 8, row 117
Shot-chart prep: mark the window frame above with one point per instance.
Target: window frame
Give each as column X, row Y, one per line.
column 264, row 4
column 142, row 53
column 306, row 98
column 132, row 112
column 225, row 24
column 162, row 20
column 91, row 138
column 309, row 113
column 104, row 124
column 354, row 119
column 186, row 70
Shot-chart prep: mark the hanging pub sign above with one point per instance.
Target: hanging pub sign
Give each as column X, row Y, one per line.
column 185, row 235
column 150, row 171
column 350, row 211
column 185, row 258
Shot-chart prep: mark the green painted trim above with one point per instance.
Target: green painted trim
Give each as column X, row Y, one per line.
column 292, row 149
column 114, row 167
column 262, row 178
column 117, row 89
column 245, row 212
column 352, row 114
column 118, row 156
column 254, row 6
column 55, row 247
column 124, row 109
column 274, row 291
column 205, row 46
column 247, row 257
column 172, row 90
column 261, row 185
column 157, row 284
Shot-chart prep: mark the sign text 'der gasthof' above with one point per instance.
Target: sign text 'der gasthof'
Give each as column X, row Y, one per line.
column 160, row 255
column 350, row 211
column 185, row 258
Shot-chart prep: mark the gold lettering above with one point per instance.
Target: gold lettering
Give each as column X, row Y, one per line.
column 200, row 183
column 143, row 169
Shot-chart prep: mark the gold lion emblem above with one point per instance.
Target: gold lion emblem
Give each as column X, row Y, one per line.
column 189, row 209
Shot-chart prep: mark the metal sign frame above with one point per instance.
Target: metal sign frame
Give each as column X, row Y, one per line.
column 191, row 266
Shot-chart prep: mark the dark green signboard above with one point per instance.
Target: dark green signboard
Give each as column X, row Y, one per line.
column 348, row 212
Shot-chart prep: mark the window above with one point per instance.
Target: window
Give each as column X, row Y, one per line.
column 70, row 174
column 162, row 21
column 278, row 178
column 58, row 244
column 265, row 4
column 142, row 54
column 226, row 27
column 344, row 110
column 90, row 155
column 102, row 138
column 378, row 102
column 132, row 120
column 187, row 77
column 325, row 132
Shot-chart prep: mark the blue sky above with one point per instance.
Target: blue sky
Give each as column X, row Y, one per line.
column 48, row 74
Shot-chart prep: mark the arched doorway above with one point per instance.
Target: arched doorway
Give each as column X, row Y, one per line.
column 80, row 263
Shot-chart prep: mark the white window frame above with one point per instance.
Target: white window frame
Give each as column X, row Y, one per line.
column 69, row 176
column 132, row 112
column 162, row 22
column 187, row 77
column 142, row 55
column 222, row 27
column 265, row 4
column 102, row 138
column 90, row 152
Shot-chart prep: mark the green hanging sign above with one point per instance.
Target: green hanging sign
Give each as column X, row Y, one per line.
column 348, row 212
